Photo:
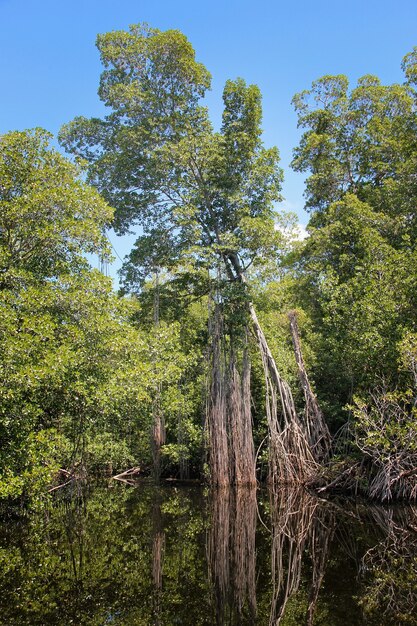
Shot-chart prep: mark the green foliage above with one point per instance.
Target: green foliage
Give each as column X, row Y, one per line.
column 48, row 216
column 386, row 430
column 78, row 378
column 104, row 454
column 362, row 142
column 357, row 277
column 387, row 427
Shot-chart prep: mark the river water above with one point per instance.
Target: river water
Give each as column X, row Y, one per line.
column 123, row 556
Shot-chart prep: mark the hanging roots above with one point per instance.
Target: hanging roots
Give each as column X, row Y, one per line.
column 290, row 456
column 240, row 422
column 220, row 474
column 231, row 450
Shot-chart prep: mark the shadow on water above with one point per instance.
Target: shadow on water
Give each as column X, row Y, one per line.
column 170, row 555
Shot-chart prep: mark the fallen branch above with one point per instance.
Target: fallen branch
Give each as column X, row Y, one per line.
column 133, row 472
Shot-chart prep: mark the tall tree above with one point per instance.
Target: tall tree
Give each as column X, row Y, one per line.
column 204, row 199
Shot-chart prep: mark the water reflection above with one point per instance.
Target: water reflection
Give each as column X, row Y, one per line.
column 300, row 524
column 169, row 556
column 158, row 545
column 390, row 568
column 231, row 554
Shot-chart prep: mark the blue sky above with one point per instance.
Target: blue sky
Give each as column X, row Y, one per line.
column 49, row 66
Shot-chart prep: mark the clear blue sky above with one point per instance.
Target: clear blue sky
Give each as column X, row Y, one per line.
column 49, row 66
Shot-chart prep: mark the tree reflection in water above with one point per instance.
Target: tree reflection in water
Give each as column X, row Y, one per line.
column 158, row 545
column 231, row 554
column 166, row 556
column 390, row 567
column 299, row 523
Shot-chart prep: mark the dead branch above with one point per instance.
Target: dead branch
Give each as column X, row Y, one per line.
column 131, row 473
column 62, row 485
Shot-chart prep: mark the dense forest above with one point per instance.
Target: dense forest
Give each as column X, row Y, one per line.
column 233, row 353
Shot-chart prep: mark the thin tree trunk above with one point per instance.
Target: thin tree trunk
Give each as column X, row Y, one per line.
column 158, row 429
column 318, row 432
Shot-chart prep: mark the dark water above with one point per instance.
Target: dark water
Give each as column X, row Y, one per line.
column 174, row 555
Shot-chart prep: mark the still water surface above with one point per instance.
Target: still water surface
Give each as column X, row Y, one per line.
column 125, row 556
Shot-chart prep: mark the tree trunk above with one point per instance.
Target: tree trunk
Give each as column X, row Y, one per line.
column 216, row 410
column 240, row 423
column 158, row 429
column 158, row 437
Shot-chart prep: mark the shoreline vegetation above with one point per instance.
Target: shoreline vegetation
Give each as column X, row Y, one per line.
column 234, row 353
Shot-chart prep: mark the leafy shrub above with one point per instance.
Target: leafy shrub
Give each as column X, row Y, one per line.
column 105, row 454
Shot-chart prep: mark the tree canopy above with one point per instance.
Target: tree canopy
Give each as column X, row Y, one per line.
column 199, row 195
